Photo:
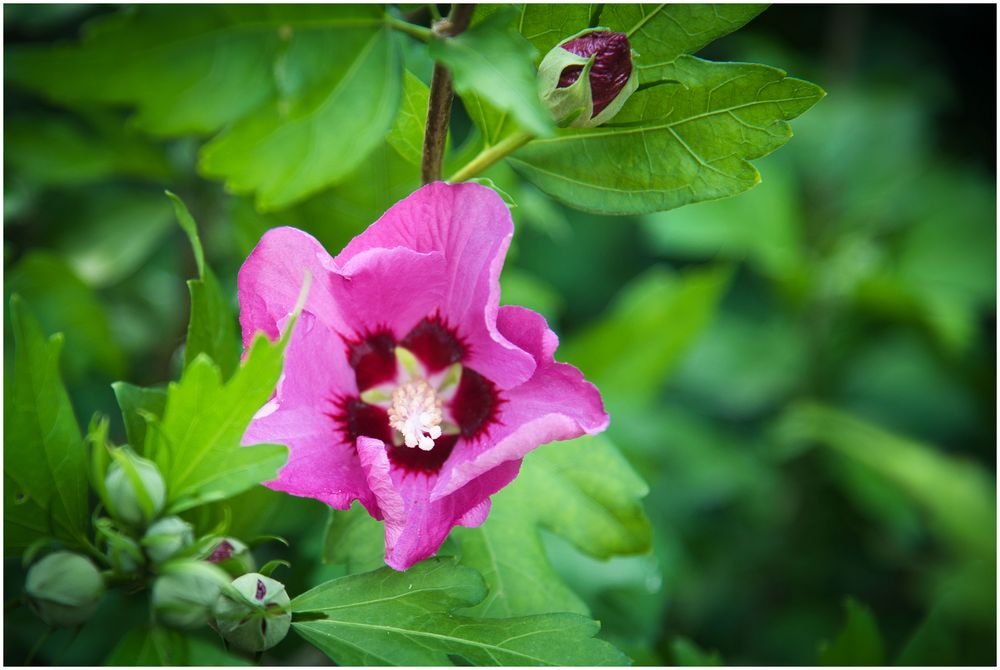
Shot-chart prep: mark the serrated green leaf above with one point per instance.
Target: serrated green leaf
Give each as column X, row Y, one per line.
column 45, row 463
column 857, row 643
column 493, row 61
column 197, row 442
column 660, row 33
column 136, row 404
column 64, row 303
column 618, row 354
column 212, row 329
column 582, row 490
column 302, row 143
column 404, row 618
column 674, row 143
column 156, row 646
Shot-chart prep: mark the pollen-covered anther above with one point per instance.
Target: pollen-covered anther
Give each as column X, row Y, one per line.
column 416, row 414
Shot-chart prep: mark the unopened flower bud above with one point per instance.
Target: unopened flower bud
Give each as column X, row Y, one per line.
column 125, row 555
column 587, row 78
column 253, row 615
column 183, row 596
column 233, row 556
column 64, row 588
column 166, row 537
column 124, row 498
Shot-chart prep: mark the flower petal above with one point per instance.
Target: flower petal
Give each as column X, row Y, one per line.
column 389, row 289
column 271, row 278
column 415, row 526
column 316, row 370
column 320, row 464
column 471, row 226
column 557, row 403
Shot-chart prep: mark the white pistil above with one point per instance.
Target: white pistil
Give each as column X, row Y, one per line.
column 416, row 414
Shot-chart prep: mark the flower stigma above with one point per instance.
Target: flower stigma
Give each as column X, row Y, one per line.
column 416, row 413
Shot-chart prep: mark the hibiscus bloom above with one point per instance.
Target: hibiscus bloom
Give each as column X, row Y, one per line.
column 405, row 385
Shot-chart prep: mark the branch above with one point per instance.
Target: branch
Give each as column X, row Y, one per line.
column 441, row 96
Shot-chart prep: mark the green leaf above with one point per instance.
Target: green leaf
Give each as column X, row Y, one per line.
column 673, row 143
column 407, row 134
column 115, row 231
column 156, row 646
column 762, row 226
column 582, row 490
column 661, row 33
column 618, row 353
column 404, row 618
column 197, row 442
column 303, row 93
column 58, row 150
column 858, row 643
column 337, row 214
column 354, row 538
column 957, row 495
column 302, row 143
column 494, row 62
column 546, row 25
column 686, row 653
column 64, row 303
column 45, row 463
column 212, row 329
column 138, row 403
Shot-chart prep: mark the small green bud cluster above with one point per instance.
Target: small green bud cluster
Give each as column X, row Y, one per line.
column 192, row 580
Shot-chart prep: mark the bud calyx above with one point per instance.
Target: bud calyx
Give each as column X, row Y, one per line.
column 587, row 78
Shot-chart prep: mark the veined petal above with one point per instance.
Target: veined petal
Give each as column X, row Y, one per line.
column 471, row 226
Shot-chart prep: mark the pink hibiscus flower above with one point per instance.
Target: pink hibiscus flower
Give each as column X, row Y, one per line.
column 406, row 386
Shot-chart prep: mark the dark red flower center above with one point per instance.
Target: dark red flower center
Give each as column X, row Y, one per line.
column 473, row 407
column 611, row 69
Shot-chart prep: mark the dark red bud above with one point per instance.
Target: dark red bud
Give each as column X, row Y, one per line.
column 612, row 65
column 261, row 590
column 221, row 553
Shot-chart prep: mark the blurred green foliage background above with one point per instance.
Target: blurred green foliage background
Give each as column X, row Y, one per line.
column 805, row 375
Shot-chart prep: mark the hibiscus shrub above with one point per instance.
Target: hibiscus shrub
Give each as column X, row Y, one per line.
column 393, row 462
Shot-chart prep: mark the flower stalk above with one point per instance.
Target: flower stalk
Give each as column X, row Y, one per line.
column 441, row 96
column 490, row 155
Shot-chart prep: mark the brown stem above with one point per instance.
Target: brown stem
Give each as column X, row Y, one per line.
column 441, row 96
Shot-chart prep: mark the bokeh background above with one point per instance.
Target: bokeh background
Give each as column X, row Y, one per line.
column 804, row 374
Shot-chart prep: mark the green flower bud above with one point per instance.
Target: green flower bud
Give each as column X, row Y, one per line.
column 125, row 555
column 587, row 78
column 166, row 537
column 64, row 588
column 125, row 500
column 233, row 556
column 253, row 613
column 184, row 594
